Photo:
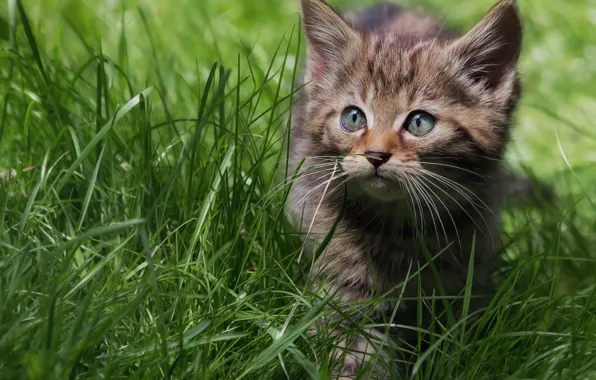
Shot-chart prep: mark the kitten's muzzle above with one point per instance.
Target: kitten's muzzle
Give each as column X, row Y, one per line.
column 377, row 157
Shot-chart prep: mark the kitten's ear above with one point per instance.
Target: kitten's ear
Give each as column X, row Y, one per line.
column 490, row 50
column 328, row 36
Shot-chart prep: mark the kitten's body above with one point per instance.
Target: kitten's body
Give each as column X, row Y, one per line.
column 393, row 61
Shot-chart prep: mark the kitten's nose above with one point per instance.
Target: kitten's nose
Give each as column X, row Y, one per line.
column 377, row 157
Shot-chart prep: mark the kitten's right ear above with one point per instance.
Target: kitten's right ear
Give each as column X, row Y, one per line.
column 328, row 36
column 491, row 49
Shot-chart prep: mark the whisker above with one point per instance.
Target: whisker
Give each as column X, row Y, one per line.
column 348, row 177
column 460, row 158
column 453, row 167
column 455, row 201
column 307, row 158
column 317, row 187
column 324, row 158
column 403, row 187
column 431, row 194
column 463, row 188
column 287, row 181
column 426, row 200
column 422, row 178
column 463, row 192
column 413, row 191
column 301, row 174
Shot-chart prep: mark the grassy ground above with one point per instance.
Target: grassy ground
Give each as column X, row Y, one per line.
column 139, row 236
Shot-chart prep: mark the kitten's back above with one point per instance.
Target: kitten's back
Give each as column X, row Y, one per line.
column 395, row 19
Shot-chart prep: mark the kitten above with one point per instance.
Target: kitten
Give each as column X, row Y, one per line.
column 407, row 124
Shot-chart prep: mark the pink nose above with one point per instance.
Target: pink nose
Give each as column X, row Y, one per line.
column 377, row 157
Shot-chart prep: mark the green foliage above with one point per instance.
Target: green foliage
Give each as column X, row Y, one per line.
column 142, row 232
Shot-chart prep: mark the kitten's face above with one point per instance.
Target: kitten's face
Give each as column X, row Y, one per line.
column 410, row 107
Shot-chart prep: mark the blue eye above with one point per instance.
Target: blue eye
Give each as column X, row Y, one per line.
column 353, row 119
column 420, row 123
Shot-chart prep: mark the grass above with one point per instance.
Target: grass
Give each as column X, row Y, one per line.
column 141, row 238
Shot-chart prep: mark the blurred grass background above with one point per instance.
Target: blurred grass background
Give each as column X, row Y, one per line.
column 140, row 237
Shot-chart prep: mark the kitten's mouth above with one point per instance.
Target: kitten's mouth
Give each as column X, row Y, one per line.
column 381, row 188
column 380, row 180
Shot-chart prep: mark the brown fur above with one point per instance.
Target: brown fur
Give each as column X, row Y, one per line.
column 388, row 62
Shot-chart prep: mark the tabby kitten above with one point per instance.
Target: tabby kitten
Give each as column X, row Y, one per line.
column 407, row 124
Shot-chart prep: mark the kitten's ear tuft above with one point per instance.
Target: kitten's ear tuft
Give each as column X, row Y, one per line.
column 491, row 49
column 328, row 35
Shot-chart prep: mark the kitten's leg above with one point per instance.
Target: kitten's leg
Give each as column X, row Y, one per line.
column 354, row 353
column 347, row 275
column 356, row 350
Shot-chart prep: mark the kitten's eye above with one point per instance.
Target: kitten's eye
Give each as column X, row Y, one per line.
column 353, row 119
column 420, row 123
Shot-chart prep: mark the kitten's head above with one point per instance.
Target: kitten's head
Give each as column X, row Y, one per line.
column 399, row 106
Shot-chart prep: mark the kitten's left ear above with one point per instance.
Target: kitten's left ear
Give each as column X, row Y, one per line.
column 491, row 49
column 328, row 36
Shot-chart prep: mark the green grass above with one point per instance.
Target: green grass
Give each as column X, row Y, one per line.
column 139, row 234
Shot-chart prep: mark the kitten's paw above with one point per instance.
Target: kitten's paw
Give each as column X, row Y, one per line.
column 351, row 367
column 347, row 370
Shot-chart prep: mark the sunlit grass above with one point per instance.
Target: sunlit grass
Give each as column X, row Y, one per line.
column 141, row 238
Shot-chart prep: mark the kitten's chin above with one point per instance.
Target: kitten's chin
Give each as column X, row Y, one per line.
column 381, row 189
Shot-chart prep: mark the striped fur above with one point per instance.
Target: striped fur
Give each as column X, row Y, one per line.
column 440, row 190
